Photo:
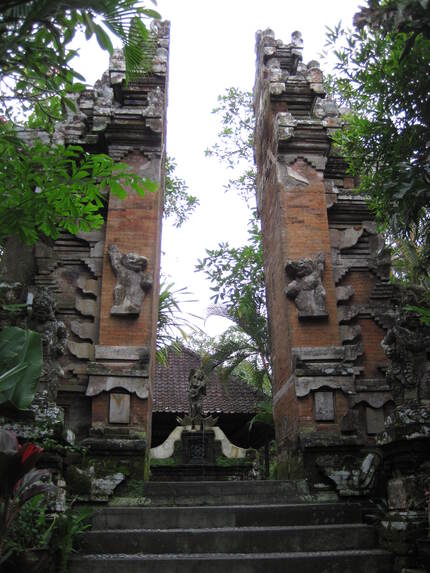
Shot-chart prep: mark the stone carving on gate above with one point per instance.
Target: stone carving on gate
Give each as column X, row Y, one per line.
column 306, row 288
column 132, row 281
column 406, row 345
column 53, row 333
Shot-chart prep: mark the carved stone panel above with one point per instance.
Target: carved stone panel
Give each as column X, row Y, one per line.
column 132, row 282
column 119, row 408
column 324, row 406
column 306, row 288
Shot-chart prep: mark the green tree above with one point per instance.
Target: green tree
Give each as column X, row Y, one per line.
column 382, row 75
column 36, row 53
column 236, row 274
column 48, row 188
column 174, row 325
column 235, row 144
column 178, row 203
column 237, row 279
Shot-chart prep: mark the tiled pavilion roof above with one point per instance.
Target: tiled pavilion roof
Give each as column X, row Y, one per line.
column 232, row 396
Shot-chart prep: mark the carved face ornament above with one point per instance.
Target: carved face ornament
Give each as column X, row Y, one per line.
column 134, row 262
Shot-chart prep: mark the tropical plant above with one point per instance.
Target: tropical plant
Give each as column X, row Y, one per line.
column 236, row 273
column 36, row 53
column 67, row 529
column 236, row 140
column 47, row 188
column 178, row 203
column 31, row 530
column 381, row 74
column 19, row 481
column 174, row 325
column 409, row 264
column 20, row 366
column 237, row 279
column 263, row 414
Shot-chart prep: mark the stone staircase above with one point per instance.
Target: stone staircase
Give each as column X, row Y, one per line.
column 241, row 526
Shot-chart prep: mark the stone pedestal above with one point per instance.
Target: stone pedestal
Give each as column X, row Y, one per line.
column 198, row 447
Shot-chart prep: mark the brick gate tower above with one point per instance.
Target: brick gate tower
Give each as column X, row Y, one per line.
column 105, row 283
column 327, row 272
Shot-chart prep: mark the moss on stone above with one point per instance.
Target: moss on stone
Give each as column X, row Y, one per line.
column 164, row 462
column 78, row 481
column 290, row 466
column 230, row 462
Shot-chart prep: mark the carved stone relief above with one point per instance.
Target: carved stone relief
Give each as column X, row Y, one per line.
column 119, row 408
column 406, row 344
column 306, row 288
column 54, row 336
column 132, row 282
column 324, row 406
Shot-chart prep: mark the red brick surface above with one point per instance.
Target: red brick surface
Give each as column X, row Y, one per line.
column 133, row 225
column 373, row 356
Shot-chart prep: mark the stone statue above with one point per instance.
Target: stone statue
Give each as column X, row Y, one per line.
column 53, row 333
column 196, row 390
column 132, row 281
column 306, row 288
column 406, row 344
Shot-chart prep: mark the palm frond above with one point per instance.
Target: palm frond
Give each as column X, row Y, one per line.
column 174, row 325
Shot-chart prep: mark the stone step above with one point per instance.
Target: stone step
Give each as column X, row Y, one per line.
column 232, row 539
column 222, row 493
column 225, row 516
column 357, row 561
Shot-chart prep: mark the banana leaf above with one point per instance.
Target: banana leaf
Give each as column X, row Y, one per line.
column 20, row 366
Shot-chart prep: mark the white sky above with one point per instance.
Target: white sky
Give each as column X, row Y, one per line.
column 212, row 47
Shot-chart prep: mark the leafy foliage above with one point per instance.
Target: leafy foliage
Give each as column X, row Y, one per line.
column 264, row 414
column 29, row 530
column 174, row 326
column 236, row 140
column 237, row 352
column 409, row 266
column 35, row 53
column 178, row 203
column 382, row 75
column 67, row 532
column 19, row 480
column 236, row 274
column 20, row 366
column 238, row 282
column 45, row 189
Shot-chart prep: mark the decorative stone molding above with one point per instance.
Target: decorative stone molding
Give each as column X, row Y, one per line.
column 344, row 293
column 306, row 288
column 306, row 384
column 115, row 353
column 375, row 399
column 167, row 448
column 133, row 385
column 82, row 350
column 132, row 282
